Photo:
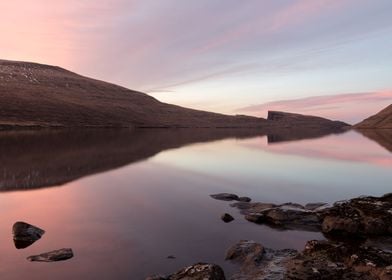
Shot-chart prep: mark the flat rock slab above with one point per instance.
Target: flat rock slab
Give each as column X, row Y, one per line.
column 25, row 234
column 53, row 256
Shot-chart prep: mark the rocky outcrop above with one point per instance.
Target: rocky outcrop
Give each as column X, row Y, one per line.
column 381, row 120
column 199, row 271
column 25, row 234
column 319, row 260
column 329, row 260
column 363, row 216
column 53, row 256
column 359, row 217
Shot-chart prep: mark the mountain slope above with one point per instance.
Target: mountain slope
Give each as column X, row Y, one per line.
column 41, row 95
column 37, row 95
column 382, row 119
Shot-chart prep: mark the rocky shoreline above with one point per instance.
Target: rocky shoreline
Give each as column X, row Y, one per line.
column 358, row 242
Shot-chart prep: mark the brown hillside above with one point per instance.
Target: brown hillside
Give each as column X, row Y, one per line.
column 41, row 95
column 382, row 119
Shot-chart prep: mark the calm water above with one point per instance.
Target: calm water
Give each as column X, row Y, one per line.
column 124, row 201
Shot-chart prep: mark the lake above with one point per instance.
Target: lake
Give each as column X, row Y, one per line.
column 126, row 200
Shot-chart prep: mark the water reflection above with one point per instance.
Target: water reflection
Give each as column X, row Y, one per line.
column 382, row 136
column 35, row 159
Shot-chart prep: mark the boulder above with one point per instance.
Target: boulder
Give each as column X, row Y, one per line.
column 25, row 234
column 360, row 217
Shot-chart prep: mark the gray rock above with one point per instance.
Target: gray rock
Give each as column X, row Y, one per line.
column 359, row 217
column 227, row 218
column 25, row 234
column 225, row 196
column 53, row 256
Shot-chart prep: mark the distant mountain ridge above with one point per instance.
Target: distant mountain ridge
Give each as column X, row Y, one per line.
column 381, row 120
column 37, row 95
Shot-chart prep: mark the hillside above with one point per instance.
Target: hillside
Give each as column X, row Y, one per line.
column 41, row 95
column 37, row 95
column 381, row 120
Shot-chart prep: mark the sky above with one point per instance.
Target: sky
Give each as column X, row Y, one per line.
column 331, row 58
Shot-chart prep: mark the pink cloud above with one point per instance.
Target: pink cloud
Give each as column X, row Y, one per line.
column 347, row 107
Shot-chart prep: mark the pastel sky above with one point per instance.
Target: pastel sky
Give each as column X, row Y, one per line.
column 327, row 57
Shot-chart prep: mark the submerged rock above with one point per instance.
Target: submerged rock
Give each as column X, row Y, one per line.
column 199, row 271
column 227, row 218
column 225, row 196
column 25, row 234
column 53, row 256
